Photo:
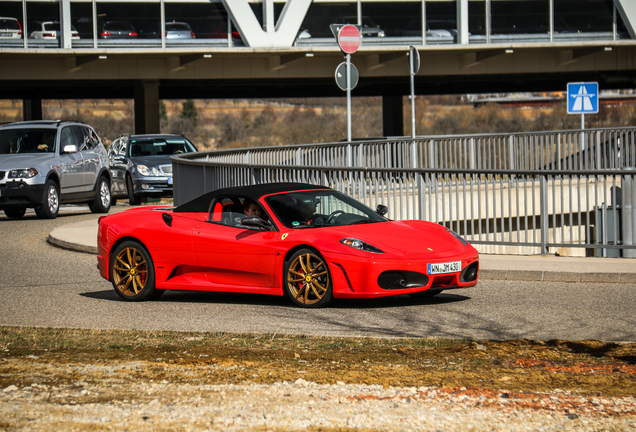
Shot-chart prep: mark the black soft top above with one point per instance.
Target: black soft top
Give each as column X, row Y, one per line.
column 204, row 202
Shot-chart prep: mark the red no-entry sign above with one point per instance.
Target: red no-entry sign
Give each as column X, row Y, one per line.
column 349, row 39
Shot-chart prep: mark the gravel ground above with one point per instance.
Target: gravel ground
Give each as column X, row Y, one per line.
column 114, row 404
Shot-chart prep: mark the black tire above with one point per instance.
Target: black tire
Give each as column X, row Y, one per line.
column 15, row 213
column 50, row 202
column 102, row 200
column 132, row 272
column 307, row 279
column 132, row 198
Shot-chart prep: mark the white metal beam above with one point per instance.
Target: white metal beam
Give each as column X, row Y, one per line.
column 627, row 9
column 287, row 27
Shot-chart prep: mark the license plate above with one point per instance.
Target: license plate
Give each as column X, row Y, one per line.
column 170, row 181
column 441, row 268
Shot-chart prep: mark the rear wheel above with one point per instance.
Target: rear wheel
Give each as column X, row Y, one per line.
column 307, row 279
column 132, row 272
column 101, row 202
column 132, row 198
column 51, row 202
column 15, row 213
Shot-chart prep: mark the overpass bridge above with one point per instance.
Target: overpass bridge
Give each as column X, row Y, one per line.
column 270, row 48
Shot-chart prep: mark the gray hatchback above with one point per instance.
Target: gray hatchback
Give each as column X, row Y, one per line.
column 140, row 165
column 50, row 162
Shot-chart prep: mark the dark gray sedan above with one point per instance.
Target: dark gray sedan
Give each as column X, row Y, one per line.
column 117, row 30
column 140, row 165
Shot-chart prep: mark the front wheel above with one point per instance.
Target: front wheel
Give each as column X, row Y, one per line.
column 50, row 203
column 132, row 272
column 132, row 198
column 307, row 279
column 101, row 202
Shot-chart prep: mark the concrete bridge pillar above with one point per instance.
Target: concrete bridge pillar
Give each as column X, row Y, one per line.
column 147, row 107
column 392, row 116
column 32, row 109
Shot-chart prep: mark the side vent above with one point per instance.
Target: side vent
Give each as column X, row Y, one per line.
column 167, row 218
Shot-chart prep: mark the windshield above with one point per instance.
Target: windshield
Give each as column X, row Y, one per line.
column 118, row 26
column 320, row 208
column 160, row 146
column 9, row 24
column 178, row 27
column 39, row 140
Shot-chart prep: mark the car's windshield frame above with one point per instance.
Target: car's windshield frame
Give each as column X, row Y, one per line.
column 149, row 145
column 292, row 209
column 27, row 140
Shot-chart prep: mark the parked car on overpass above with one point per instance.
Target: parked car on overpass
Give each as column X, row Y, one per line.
column 368, row 28
column 174, row 30
column 50, row 30
column 117, row 30
column 10, row 28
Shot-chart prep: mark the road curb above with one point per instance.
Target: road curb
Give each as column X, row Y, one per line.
column 551, row 276
column 71, row 246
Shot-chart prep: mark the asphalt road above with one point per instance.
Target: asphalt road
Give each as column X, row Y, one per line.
column 44, row 286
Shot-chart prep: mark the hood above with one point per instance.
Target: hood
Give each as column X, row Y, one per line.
column 25, row 160
column 414, row 239
column 151, row 161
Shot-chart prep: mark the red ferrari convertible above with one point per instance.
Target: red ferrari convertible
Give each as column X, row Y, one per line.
column 309, row 242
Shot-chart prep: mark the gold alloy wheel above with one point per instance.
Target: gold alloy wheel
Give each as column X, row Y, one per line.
column 130, row 272
column 308, row 279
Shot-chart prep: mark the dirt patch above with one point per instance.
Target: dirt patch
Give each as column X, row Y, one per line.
column 48, row 356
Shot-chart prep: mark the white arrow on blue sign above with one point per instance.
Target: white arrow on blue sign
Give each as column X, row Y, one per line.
column 583, row 98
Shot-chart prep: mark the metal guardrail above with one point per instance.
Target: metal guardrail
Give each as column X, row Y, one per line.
column 570, row 192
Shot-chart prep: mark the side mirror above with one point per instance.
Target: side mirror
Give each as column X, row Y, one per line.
column 70, row 148
column 381, row 209
column 256, row 223
column 119, row 159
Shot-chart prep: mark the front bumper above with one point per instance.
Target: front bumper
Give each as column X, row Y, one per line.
column 153, row 186
column 18, row 194
column 358, row 278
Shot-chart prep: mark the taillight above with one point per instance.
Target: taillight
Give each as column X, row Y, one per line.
column 52, row 34
column 106, row 33
column 193, row 36
column 132, row 33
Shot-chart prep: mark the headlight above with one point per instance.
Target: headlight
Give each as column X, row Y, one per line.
column 143, row 170
column 457, row 236
column 360, row 245
column 23, row 173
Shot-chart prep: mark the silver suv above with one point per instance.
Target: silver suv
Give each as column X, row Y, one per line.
column 50, row 162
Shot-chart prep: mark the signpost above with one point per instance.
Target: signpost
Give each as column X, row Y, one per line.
column 414, row 67
column 583, row 99
column 341, row 76
column 349, row 40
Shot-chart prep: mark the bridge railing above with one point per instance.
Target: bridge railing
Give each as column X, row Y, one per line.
column 569, row 192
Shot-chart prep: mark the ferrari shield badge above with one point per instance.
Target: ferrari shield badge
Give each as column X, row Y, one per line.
column 284, row 236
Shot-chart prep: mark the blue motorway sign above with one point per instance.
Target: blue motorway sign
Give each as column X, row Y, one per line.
column 583, row 98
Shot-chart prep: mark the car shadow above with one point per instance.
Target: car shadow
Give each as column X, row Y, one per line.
column 174, row 296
